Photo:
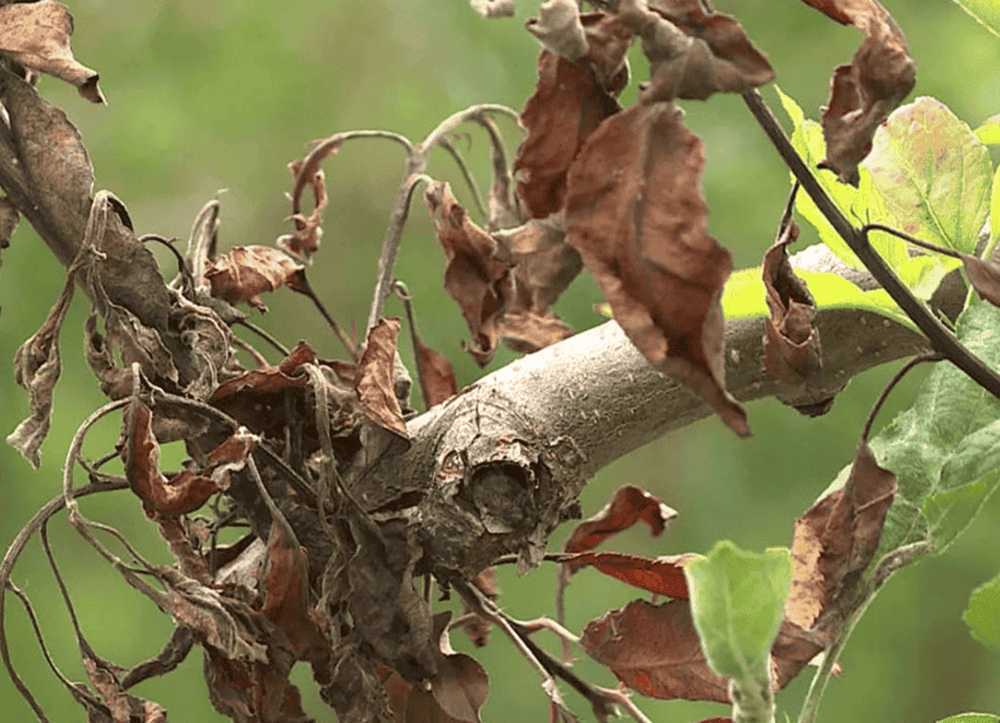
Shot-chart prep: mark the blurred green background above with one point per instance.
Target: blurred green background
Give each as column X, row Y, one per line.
column 211, row 95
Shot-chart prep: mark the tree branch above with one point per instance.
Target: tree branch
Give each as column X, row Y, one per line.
column 543, row 425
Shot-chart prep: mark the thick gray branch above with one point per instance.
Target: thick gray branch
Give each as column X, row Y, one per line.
column 546, row 423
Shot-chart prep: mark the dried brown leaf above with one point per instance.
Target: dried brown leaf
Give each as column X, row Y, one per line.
column 247, row 271
column 568, row 104
column 476, row 277
column 792, row 352
column 477, row 627
column 437, row 378
column 37, row 366
column 628, row 506
column 374, row 385
column 865, row 92
column 655, row 650
column 692, row 53
column 36, row 35
column 546, row 264
column 835, row 540
column 661, row 575
column 308, row 230
column 636, row 215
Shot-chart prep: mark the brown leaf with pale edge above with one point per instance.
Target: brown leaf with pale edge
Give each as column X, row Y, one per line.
column 568, row 104
column 37, row 366
column 476, row 277
column 628, row 506
column 374, row 378
column 864, row 93
column 693, row 54
column 791, row 340
column 123, row 706
column 662, row 575
column 636, row 215
column 187, row 490
column 836, row 538
column 437, row 378
column 36, row 35
column 247, row 271
column 984, row 277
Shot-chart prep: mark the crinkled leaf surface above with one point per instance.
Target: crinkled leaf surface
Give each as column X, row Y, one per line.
column 738, row 603
column 945, row 449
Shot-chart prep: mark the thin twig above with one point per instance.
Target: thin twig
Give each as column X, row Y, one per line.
column 896, row 379
column 912, row 239
column 470, row 179
column 940, row 338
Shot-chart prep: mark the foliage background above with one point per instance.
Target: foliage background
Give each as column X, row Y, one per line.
column 205, row 96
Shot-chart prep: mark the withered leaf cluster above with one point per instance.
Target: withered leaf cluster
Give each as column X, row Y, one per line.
column 654, row 648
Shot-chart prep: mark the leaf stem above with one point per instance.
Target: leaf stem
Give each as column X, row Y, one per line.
column 857, row 239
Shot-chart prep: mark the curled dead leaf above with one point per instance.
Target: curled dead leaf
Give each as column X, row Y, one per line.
column 248, row 271
column 792, row 351
column 374, row 384
column 36, row 35
column 865, row 92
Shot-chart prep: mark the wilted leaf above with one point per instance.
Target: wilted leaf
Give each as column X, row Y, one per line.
column 628, row 506
column 437, row 378
column 836, row 539
column 374, row 385
column 791, row 340
column 559, row 28
column 654, row 649
column 546, row 264
column 476, row 277
column 693, row 54
column 36, row 368
column 10, row 217
column 661, row 575
column 187, row 490
column 124, row 708
column 934, row 175
column 568, row 104
column 308, row 231
column 865, row 92
column 36, row 35
column 738, row 600
column 636, row 215
column 247, row 271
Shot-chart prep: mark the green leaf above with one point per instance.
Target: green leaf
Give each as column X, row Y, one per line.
column 988, row 132
column 933, row 174
column 970, row 718
column 987, row 12
column 738, row 603
column 743, row 296
column 945, row 449
column 983, row 614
